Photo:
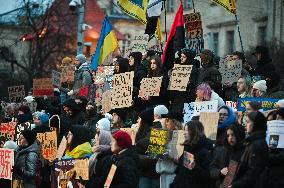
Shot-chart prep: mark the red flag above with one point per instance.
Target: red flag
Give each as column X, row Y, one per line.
column 176, row 39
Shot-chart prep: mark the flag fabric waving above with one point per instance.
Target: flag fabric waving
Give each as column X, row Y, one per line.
column 106, row 45
column 229, row 5
column 176, row 40
column 134, row 8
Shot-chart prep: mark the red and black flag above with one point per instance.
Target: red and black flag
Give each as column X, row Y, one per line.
column 176, row 39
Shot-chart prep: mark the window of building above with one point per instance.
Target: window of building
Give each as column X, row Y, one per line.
column 230, row 42
column 126, row 43
column 170, row 6
column 216, row 43
column 187, row 4
column 262, row 35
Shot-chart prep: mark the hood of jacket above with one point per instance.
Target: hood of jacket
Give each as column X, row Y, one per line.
column 231, row 118
column 130, row 152
column 32, row 148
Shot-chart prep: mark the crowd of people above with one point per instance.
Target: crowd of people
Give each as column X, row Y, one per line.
column 97, row 136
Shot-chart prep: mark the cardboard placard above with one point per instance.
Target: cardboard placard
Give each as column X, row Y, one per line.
column 16, row 93
column 100, row 75
column 42, row 86
column 19, row 129
column 266, row 103
column 230, row 70
column 210, row 123
column 67, row 74
column 150, row 86
column 232, row 168
column 8, row 130
column 140, row 43
column 56, row 78
column 275, row 134
column 175, row 145
column 157, row 143
column 61, row 148
column 232, row 104
column 180, row 77
column 81, row 167
column 99, row 95
column 194, row 108
column 121, row 94
column 48, row 142
column 6, row 163
column 106, row 102
column 132, row 133
column 194, row 32
column 110, row 176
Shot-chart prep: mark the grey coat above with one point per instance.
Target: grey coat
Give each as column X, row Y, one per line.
column 26, row 161
column 82, row 78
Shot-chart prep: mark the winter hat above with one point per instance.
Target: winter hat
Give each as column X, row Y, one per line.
column 280, row 103
column 103, row 124
column 174, row 115
column 160, row 109
column 29, row 99
column 81, row 58
column 147, row 116
column 43, row 117
column 260, row 85
column 10, row 145
column 25, row 109
column 123, row 139
column 71, row 104
column 108, row 116
column 29, row 135
column 120, row 112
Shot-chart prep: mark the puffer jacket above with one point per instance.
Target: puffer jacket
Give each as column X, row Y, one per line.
column 26, row 163
column 253, row 161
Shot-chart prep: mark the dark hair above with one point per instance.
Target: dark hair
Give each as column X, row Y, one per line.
column 255, row 105
column 280, row 112
column 81, row 135
column 123, row 65
column 158, row 71
column 240, row 55
column 273, row 114
column 143, row 130
column 259, row 121
column 239, row 134
column 195, row 130
column 137, row 59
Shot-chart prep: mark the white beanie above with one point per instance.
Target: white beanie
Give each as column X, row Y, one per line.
column 108, row 116
column 10, row 145
column 160, row 109
column 260, row 85
column 29, row 99
column 103, row 124
column 280, row 103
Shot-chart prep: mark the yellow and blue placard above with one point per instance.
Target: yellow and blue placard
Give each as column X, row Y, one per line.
column 106, row 45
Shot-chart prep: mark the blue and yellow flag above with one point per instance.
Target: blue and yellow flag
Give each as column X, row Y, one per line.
column 106, row 45
column 135, row 8
column 229, row 5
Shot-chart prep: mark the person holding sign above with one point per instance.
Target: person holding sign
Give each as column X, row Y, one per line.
column 197, row 176
column 255, row 155
column 231, row 150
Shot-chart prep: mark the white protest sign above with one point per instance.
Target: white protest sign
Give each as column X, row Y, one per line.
column 150, row 86
column 6, row 163
column 121, row 94
column 194, row 108
column 140, row 43
column 180, row 77
column 232, row 104
column 56, row 78
column 275, row 134
column 230, row 70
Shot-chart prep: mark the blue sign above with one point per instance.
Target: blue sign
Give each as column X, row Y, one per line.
column 266, row 103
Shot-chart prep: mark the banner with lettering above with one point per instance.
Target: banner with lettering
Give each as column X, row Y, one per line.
column 275, row 134
column 266, row 103
column 6, row 163
column 230, row 70
column 48, row 141
column 7, row 130
column 42, row 87
column 157, row 143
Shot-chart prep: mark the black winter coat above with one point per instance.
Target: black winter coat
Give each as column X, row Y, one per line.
column 199, row 176
column 253, row 161
column 211, row 76
column 221, row 159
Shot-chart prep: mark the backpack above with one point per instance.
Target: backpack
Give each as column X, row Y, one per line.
column 90, row 72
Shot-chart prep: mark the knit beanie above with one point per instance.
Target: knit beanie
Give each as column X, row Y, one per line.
column 25, row 109
column 29, row 135
column 280, row 103
column 160, row 109
column 43, row 117
column 260, row 85
column 104, row 124
column 147, row 116
column 81, row 58
column 123, row 139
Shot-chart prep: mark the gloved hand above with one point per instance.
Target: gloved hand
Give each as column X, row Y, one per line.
column 70, row 93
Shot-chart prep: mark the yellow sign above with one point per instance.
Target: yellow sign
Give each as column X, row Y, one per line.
column 229, row 5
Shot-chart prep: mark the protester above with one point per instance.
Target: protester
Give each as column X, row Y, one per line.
column 158, row 112
column 82, row 102
column 103, row 124
column 273, row 88
column 10, row 113
column 41, row 120
column 91, row 117
column 24, row 114
column 72, row 113
column 244, row 86
column 118, row 118
column 25, row 168
column 196, row 173
column 121, row 66
column 259, row 89
column 255, row 156
column 51, row 105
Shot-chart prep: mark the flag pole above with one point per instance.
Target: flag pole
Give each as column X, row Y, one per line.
column 193, row 6
column 241, row 41
column 164, row 4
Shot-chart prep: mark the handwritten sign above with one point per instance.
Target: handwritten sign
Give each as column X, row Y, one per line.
column 157, row 143
column 210, row 123
column 8, row 130
column 150, row 86
column 48, row 141
column 140, row 43
column 67, row 74
column 61, row 148
column 175, row 145
column 275, row 134
column 99, row 94
column 194, row 108
column 42, row 86
column 56, row 78
column 194, row 32
column 100, row 75
column 180, row 77
column 230, row 70
column 232, row 104
column 132, row 133
column 121, row 94
column 106, row 102
column 266, row 103
column 110, row 176
column 16, row 93
column 6, row 163
column 81, row 167
column 232, row 168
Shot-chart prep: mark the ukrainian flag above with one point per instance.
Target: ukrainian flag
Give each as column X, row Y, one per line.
column 134, row 8
column 106, row 45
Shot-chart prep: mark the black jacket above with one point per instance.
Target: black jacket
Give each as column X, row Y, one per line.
column 253, row 161
column 199, row 176
column 211, row 76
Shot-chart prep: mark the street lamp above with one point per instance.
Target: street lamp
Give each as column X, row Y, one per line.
column 80, row 33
